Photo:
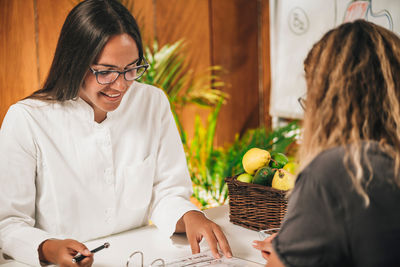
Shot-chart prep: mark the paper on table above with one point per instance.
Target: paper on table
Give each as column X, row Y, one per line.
column 206, row 259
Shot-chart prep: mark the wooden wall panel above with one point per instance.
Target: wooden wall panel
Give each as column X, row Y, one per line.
column 51, row 16
column 189, row 19
column 265, row 63
column 234, row 42
column 144, row 13
column 18, row 73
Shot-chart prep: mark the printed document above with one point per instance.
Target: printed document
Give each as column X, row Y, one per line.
column 207, row 259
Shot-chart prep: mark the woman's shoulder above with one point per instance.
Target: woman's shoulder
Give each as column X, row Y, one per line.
column 327, row 169
column 30, row 104
column 332, row 162
column 30, row 108
column 144, row 88
column 327, row 161
column 146, row 93
column 334, row 156
column 25, row 106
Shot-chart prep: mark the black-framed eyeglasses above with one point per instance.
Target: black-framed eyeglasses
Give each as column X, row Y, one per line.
column 110, row 76
column 302, row 101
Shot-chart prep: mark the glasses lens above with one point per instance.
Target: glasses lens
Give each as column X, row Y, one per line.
column 105, row 77
column 140, row 71
column 134, row 73
column 130, row 75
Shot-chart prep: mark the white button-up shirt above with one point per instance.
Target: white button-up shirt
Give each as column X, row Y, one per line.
column 63, row 175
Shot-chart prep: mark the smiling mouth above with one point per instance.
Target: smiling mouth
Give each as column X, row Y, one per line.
column 111, row 95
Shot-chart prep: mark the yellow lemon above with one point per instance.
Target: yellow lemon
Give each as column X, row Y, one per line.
column 245, row 178
column 254, row 159
column 283, row 180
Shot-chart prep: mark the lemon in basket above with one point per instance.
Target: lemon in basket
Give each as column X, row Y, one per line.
column 254, row 159
column 245, row 178
column 283, row 180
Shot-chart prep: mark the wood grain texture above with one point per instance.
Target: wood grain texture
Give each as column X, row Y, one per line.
column 266, row 62
column 51, row 17
column 188, row 20
column 234, row 42
column 18, row 74
column 144, row 13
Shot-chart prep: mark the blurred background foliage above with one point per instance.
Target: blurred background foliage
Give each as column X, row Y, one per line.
column 208, row 164
column 170, row 71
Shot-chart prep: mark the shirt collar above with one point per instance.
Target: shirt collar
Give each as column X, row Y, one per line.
column 85, row 111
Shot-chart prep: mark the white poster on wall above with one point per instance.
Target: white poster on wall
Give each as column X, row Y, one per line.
column 296, row 25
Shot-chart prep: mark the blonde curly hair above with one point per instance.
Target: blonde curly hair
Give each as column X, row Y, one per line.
column 353, row 82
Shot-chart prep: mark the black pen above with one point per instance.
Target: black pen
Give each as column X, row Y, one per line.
column 78, row 257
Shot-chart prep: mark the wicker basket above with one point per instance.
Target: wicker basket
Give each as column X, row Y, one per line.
column 254, row 206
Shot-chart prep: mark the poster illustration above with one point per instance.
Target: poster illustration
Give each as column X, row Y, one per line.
column 295, row 25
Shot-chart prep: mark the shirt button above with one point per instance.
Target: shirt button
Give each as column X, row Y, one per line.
column 107, row 142
column 108, row 176
column 108, row 172
column 109, row 180
column 108, row 212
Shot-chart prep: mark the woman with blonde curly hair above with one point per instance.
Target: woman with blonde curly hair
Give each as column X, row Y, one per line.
column 343, row 210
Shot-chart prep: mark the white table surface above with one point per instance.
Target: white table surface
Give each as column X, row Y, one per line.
column 153, row 245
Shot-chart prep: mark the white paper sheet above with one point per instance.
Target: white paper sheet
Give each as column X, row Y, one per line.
column 206, row 259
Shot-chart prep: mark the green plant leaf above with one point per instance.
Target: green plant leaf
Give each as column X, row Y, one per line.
column 208, row 165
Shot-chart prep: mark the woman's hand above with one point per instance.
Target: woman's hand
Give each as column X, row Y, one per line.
column 264, row 246
column 268, row 252
column 197, row 226
column 61, row 252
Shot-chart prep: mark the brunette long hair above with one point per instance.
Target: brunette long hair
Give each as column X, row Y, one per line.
column 85, row 32
column 353, row 82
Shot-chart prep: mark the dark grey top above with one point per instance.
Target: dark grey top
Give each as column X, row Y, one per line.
column 327, row 223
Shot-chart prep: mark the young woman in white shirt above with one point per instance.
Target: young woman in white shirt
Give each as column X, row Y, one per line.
column 94, row 152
